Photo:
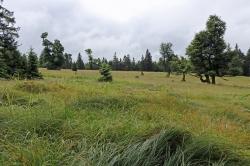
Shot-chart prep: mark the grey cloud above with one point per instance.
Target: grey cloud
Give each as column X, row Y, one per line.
column 78, row 29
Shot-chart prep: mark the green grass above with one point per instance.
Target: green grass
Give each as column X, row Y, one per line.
column 69, row 119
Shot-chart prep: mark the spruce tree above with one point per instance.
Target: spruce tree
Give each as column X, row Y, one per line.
column 115, row 63
column 9, row 54
column 32, row 66
column 148, row 63
column 105, row 72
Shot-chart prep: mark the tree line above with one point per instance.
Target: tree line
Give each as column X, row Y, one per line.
column 207, row 56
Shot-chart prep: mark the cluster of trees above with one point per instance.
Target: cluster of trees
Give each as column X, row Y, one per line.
column 12, row 63
column 211, row 57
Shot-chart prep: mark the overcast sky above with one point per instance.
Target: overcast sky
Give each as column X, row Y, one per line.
column 126, row 26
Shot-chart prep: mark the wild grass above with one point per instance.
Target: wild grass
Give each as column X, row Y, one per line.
column 69, row 119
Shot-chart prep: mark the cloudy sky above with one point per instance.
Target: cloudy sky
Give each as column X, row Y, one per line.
column 126, row 26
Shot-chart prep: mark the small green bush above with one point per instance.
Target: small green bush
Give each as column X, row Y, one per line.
column 106, row 74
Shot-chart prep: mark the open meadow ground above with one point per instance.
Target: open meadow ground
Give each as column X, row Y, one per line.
column 68, row 119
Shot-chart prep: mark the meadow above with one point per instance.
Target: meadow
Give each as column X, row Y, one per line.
column 72, row 119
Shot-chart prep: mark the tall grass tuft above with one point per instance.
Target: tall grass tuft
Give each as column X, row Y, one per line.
column 169, row 148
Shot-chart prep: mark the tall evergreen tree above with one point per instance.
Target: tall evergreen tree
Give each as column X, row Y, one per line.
column 115, row 62
column 9, row 54
column 148, row 63
column 79, row 62
column 32, row 66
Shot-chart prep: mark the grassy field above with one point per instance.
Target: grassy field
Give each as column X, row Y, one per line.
column 69, row 119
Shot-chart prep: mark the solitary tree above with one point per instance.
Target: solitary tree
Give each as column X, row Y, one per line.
column 167, row 54
column 32, row 66
column 105, row 72
column 206, row 51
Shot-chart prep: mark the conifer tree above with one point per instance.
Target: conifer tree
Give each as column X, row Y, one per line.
column 115, row 62
column 13, row 64
column 79, row 62
column 105, row 72
column 32, row 66
column 3, row 67
column 148, row 63
column 246, row 64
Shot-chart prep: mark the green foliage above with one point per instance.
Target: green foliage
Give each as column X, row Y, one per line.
column 53, row 53
column 206, row 51
column 105, row 72
column 235, row 65
column 91, row 59
column 67, row 61
column 246, row 64
column 104, row 103
column 148, row 63
column 167, row 54
column 79, row 62
column 32, row 66
column 12, row 63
